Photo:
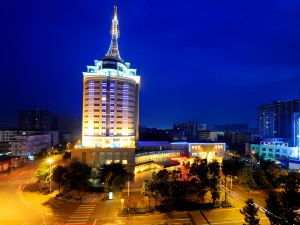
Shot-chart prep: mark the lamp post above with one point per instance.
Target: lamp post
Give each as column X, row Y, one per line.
column 128, row 199
column 12, row 164
column 50, row 161
column 122, row 203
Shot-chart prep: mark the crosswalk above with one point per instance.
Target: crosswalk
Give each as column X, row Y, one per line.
column 81, row 215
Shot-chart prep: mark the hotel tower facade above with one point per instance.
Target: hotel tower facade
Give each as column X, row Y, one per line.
column 110, row 116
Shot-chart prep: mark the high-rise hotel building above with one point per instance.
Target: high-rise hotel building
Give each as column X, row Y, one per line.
column 110, row 107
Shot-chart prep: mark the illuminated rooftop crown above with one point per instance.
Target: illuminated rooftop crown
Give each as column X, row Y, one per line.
column 113, row 50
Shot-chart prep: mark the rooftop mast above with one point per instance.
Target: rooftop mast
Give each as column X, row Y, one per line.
column 115, row 34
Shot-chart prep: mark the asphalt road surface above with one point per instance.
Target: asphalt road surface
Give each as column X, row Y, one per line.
column 21, row 206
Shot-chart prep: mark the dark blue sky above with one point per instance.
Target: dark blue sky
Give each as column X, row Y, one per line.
column 212, row 61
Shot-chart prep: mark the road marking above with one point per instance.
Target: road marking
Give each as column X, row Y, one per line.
column 73, row 223
column 95, row 221
column 83, row 210
column 81, row 215
column 228, row 222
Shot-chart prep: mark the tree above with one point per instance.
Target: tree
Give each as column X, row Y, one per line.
column 161, row 182
column 77, row 176
column 291, row 198
column 276, row 176
column 274, row 209
column 187, row 167
column 214, row 168
column 58, row 176
column 261, row 179
column 265, row 164
column 202, row 190
column 245, row 176
column 214, row 184
column 114, row 176
column 175, row 174
column 177, row 190
column 200, row 169
column 281, row 207
column 67, row 155
column 43, row 176
column 164, row 186
column 250, row 213
column 228, row 168
column 146, row 190
column 214, row 189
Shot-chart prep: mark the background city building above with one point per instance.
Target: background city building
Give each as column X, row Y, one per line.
column 187, row 130
column 232, row 127
column 30, row 145
column 36, row 119
column 275, row 120
column 208, row 135
column 10, row 135
column 4, row 147
column 274, row 149
column 154, row 134
column 69, row 128
column 296, row 129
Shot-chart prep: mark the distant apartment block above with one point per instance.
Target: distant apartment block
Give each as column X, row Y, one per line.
column 208, row 135
column 9, row 135
column 187, row 130
column 29, row 145
column 232, row 128
column 36, row 119
column 4, row 147
column 69, row 128
column 296, row 129
column 275, row 119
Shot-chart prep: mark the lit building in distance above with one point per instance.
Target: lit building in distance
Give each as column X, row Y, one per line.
column 29, row 145
column 110, row 100
column 187, row 130
column 36, row 119
column 275, row 149
column 275, row 120
column 296, row 129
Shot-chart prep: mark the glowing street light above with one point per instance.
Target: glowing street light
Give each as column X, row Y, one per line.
column 50, row 161
column 122, row 203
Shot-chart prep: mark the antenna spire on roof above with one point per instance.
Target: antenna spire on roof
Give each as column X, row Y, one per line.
column 115, row 34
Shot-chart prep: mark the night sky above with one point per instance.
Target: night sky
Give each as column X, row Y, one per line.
column 213, row 61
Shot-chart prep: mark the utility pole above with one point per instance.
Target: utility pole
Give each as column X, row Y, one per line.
column 50, row 161
column 128, row 188
column 128, row 200
column 11, row 164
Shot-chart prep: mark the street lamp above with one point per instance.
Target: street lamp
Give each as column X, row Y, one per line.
column 122, row 203
column 50, row 161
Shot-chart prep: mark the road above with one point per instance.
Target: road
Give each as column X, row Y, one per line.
column 21, row 205
column 13, row 208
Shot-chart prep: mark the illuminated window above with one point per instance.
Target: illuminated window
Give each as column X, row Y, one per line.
column 108, row 161
column 124, row 162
